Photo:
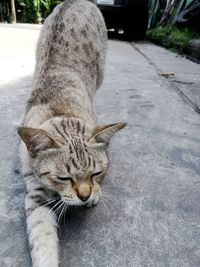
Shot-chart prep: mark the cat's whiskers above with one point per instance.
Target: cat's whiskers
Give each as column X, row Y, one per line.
column 57, row 204
column 108, row 199
column 108, row 202
column 49, row 201
column 107, row 189
column 67, row 207
column 60, row 214
column 108, row 195
column 105, row 204
column 58, row 207
column 62, row 211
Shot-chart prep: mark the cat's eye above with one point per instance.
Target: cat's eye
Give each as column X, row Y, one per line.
column 63, row 178
column 96, row 174
column 44, row 173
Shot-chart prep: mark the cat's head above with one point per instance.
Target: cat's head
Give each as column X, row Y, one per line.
column 69, row 157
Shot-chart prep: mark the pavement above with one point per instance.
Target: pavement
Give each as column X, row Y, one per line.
column 151, row 217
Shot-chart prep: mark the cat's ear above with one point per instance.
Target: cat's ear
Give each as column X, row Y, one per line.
column 103, row 133
column 36, row 140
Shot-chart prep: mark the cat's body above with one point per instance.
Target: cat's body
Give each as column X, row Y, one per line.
column 70, row 61
column 65, row 153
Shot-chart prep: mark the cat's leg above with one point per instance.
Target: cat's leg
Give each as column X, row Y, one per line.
column 41, row 226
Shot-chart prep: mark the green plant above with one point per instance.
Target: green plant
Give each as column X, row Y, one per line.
column 172, row 37
column 36, row 10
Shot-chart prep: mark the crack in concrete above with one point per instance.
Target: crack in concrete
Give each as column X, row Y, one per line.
column 168, row 82
column 182, row 82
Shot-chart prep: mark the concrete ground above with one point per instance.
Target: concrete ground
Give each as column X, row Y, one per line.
column 152, row 216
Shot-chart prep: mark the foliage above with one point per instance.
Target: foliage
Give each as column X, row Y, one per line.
column 34, row 11
column 172, row 37
column 166, row 12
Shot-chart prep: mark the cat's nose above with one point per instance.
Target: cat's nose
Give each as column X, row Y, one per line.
column 84, row 198
column 83, row 191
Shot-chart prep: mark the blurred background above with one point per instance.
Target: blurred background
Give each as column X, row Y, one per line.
column 171, row 23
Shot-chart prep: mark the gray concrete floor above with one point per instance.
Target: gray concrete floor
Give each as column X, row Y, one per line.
column 153, row 216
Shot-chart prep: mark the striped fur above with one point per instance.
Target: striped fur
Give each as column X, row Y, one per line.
column 63, row 153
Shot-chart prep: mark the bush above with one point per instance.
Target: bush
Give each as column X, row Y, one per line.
column 172, row 37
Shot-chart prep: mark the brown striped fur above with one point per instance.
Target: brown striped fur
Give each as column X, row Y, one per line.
column 63, row 153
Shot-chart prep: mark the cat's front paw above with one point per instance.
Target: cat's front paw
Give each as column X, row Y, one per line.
column 93, row 202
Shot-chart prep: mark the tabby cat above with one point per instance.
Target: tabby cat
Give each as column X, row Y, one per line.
column 63, row 153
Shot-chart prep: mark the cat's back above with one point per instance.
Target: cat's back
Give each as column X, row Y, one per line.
column 73, row 39
column 70, row 58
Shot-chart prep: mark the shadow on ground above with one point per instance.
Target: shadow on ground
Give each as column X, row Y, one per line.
column 14, row 249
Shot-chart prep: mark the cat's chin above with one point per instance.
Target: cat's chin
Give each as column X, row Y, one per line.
column 76, row 202
column 73, row 202
column 92, row 202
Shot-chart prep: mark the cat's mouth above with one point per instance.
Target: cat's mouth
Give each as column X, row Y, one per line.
column 82, row 202
column 73, row 202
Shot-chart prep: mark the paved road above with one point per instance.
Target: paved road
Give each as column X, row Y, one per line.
column 153, row 218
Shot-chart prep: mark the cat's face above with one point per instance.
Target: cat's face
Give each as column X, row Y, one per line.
column 76, row 177
column 68, row 162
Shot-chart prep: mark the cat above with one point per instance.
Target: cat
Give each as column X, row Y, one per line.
column 63, row 152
